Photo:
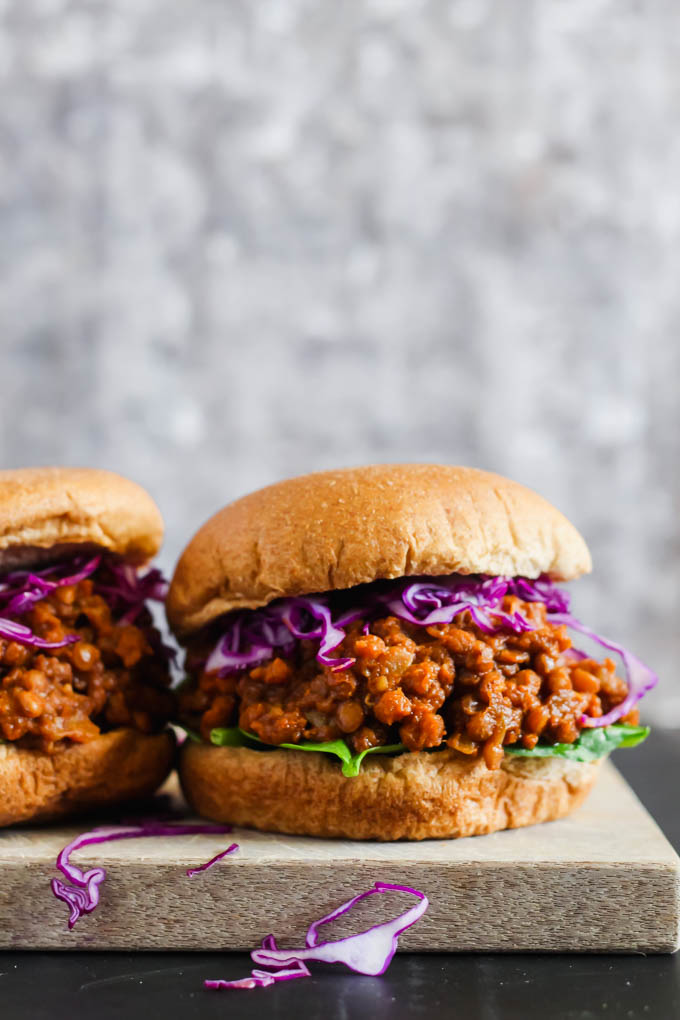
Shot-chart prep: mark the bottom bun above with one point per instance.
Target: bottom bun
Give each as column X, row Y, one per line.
column 421, row 795
column 117, row 766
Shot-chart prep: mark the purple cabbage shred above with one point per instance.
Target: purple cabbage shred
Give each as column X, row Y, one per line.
column 80, row 891
column 126, row 590
column 213, row 860
column 368, row 952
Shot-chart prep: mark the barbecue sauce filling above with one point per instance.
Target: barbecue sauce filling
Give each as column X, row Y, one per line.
column 115, row 675
column 448, row 685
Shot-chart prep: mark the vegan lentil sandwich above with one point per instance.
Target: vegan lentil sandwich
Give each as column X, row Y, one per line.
column 384, row 653
column 84, row 679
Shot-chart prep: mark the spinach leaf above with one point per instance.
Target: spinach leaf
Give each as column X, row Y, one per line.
column 232, row 736
column 593, row 743
column 351, row 763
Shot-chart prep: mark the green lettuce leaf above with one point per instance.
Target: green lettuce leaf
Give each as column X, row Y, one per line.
column 592, row 743
column 231, row 736
column 351, row 763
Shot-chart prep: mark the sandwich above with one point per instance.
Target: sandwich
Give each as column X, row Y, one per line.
column 385, row 653
column 84, row 680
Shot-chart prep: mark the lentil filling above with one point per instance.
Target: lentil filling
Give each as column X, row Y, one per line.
column 115, row 675
column 449, row 685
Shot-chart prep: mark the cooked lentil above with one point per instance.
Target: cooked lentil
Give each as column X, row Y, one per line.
column 446, row 685
column 113, row 676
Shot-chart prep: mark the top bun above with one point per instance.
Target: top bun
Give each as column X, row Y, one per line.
column 336, row 529
column 43, row 510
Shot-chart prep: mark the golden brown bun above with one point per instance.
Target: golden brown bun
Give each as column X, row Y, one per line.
column 44, row 508
column 412, row 796
column 117, row 766
column 340, row 528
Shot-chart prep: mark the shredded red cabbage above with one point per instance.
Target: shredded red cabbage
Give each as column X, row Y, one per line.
column 20, row 590
column 130, row 589
column 368, row 952
column 263, row 978
column 640, row 678
column 10, row 630
column 213, row 860
column 125, row 589
column 254, row 636
column 81, row 890
column 298, row 616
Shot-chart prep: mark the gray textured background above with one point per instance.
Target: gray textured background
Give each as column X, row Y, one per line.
column 240, row 240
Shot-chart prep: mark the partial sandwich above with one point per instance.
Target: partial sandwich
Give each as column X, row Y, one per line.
column 84, row 681
column 383, row 653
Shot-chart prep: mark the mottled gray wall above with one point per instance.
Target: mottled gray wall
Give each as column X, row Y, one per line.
column 240, row 240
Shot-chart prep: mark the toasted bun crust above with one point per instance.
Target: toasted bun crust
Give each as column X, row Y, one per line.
column 412, row 796
column 340, row 528
column 121, row 765
column 51, row 507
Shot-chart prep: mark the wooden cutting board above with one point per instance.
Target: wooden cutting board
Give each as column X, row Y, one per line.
column 604, row 880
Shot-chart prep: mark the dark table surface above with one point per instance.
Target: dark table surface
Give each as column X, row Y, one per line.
column 38, row 986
